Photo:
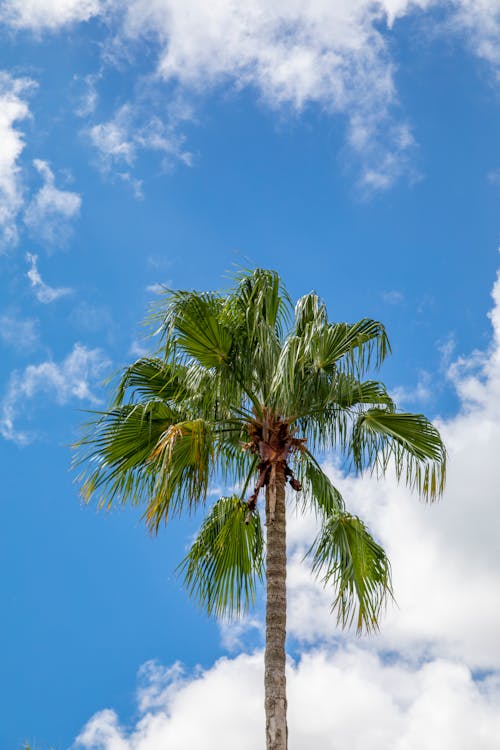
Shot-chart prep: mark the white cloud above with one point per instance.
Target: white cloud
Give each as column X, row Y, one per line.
column 421, row 393
column 51, row 209
column 293, row 54
column 346, row 699
column 479, row 22
column 71, row 379
column 40, row 15
column 87, row 95
column 120, row 139
column 393, row 297
column 13, row 108
column 20, row 333
column 43, row 292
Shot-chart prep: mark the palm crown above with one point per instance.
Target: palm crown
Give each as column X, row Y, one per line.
column 245, row 386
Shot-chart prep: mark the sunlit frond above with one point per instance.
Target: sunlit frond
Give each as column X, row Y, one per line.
column 184, row 464
column 309, row 309
column 350, row 347
column 259, row 297
column 225, row 562
column 199, row 330
column 317, row 487
column 409, row 441
column 348, row 392
column 347, row 558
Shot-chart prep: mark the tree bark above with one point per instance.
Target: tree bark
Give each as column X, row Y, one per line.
column 275, row 659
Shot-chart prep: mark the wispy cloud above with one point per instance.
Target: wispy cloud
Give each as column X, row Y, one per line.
column 129, row 132
column 50, row 211
column 393, row 297
column 43, row 292
column 60, row 382
column 13, row 108
column 18, row 332
column 86, row 93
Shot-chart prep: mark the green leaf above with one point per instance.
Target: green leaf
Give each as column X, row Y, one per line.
column 199, row 330
column 409, row 441
column 317, row 486
column 226, row 560
column 183, row 459
column 152, row 378
column 349, row 346
column 347, row 557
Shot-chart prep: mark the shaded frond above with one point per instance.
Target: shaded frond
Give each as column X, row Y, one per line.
column 116, row 452
column 409, row 441
column 151, row 378
column 347, row 557
column 226, row 560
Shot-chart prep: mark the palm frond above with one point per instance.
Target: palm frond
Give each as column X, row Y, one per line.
column 116, row 451
column 347, row 557
column 409, row 441
column 260, row 297
column 151, row 377
column 350, row 347
column 225, row 562
column 318, row 487
column 183, row 459
column 199, row 331
column 348, row 392
column 309, row 309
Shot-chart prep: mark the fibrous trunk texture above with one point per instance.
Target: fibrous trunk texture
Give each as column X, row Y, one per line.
column 274, row 663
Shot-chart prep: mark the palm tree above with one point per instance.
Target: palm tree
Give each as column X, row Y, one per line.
column 248, row 389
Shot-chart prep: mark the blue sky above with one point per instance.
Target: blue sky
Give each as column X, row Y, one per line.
column 353, row 146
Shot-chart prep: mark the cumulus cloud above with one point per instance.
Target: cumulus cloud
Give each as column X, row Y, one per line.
column 73, row 378
column 431, row 677
column 43, row 292
column 51, row 209
column 345, row 699
column 336, row 55
column 40, row 15
column 13, row 108
column 293, row 54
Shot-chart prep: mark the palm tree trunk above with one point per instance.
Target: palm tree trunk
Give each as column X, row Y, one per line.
column 274, row 661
